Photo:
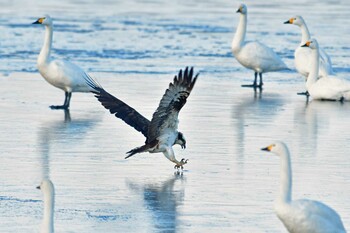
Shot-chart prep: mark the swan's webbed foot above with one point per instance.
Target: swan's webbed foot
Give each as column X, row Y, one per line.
column 180, row 164
column 306, row 93
column 65, row 107
column 254, row 85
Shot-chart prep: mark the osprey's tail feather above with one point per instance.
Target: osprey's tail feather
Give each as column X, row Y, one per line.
column 136, row 150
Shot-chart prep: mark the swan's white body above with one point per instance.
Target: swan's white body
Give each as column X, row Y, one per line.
column 325, row 88
column 61, row 74
column 48, row 190
column 301, row 216
column 253, row 55
column 302, row 55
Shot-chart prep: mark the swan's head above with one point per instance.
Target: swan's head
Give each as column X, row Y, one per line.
column 296, row 20
column 312, row 44
column 242, row 9
column 276, row 148
column 46, row 20
column 46, row 186
column 180, row 140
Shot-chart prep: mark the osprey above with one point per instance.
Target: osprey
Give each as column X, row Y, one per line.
column 161, row 132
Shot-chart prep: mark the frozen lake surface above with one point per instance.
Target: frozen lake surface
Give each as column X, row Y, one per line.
column 134, row 48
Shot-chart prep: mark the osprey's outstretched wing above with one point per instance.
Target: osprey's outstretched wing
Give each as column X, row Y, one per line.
column 166, row 115
column 118, row 107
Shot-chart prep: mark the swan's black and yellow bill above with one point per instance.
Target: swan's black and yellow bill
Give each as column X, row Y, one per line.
column 39, row 21
column 269, row 148
column 38, row 187
column 239, row 10
column 290, row 21
column 307, row 44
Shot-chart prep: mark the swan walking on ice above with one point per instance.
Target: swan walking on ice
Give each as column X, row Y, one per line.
column 253, row 55
column 301, row 216
column 326, row 88
column 61, row 74
column 48, row 190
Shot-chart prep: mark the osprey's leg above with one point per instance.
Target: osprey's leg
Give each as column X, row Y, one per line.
column 180, row 164
column 169, row 154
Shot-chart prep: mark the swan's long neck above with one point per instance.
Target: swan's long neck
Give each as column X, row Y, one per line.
column 313, row 75
column 305, row 34
column 44, row 55
column 239, row 37
column 285, row 195
column 49, row 203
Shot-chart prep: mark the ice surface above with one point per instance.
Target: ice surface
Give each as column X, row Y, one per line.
column 134, row 48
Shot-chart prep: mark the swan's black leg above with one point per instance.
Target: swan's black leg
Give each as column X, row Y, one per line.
column 255, row 81
column 65, row 105
column 261, row 80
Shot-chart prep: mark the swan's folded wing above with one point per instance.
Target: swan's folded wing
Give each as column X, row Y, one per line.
column 318, row 211
column 118, row 107
column 166, row 115
column 259, row 55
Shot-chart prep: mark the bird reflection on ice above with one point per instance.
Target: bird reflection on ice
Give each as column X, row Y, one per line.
column 162, row 200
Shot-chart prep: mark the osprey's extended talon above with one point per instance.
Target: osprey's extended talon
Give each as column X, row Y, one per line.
column 180, row 164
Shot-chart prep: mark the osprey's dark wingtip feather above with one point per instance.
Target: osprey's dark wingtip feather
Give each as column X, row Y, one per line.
column 117, row 107
column 173, row 100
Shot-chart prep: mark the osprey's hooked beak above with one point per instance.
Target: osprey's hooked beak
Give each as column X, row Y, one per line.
column 38, row 187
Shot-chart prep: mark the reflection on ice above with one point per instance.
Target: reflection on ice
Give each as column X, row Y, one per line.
column 162, row 200
column 54, row 133
column 257, row 110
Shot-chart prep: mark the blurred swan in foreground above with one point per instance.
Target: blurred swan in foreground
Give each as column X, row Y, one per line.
column 253, row 55
column 48, row 190
column 325, row 88
column 302, row 55
column 61, row 74
column 301, row 216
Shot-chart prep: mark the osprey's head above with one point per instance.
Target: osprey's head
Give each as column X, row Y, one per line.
column 181, row 140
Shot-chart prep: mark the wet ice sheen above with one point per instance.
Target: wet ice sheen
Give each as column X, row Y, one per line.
column 228, row 184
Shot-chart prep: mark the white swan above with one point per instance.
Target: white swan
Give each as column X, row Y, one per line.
column 301, row 216
column 302, row 55
column 48, row 190
column 61, row 74
column 325, row 88
column 253, row 55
